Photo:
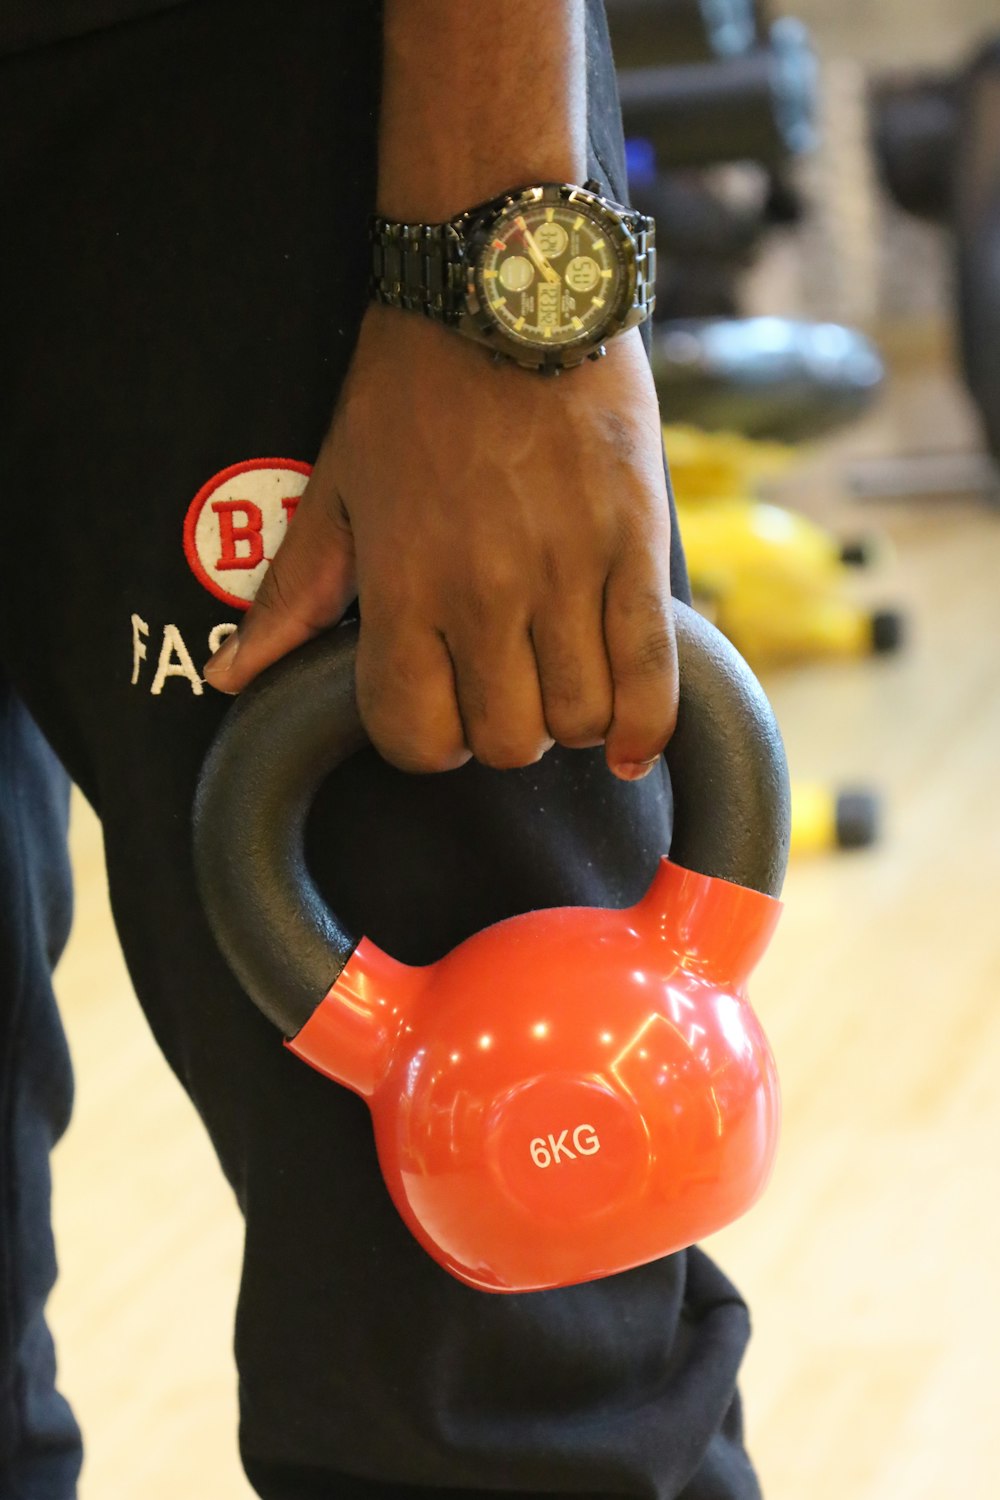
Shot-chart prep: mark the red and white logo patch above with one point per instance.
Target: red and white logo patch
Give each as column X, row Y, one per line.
column 237, row 521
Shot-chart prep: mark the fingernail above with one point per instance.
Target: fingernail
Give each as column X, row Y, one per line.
column 635, row 770
column 222, row 662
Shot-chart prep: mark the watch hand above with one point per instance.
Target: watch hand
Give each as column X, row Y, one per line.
column 536, row 255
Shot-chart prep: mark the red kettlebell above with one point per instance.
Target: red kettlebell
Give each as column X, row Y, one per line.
column 570, row 1092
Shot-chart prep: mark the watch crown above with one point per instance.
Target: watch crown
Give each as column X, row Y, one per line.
column 597, row 353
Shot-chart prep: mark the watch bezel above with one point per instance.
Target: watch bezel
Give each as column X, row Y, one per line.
column 481, row 322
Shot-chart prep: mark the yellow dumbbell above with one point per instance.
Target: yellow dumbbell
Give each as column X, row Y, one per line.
column 824, row 819
column 775, row 582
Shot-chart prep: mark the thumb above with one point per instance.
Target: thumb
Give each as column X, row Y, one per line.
column 308, row 586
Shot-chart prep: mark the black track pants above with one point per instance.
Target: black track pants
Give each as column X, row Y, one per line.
column 182, row 274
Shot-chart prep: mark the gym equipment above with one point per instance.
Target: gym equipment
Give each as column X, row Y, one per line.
column 977, row 226
column 755, row 536
column 915, row 127
column 757, row 106
column 937, row 141
column 770, row 579
column 702, row 84
column 749, row 569
column 718, row 473
column 653, row 32
column 711, row 466
column 771, row 378
column 692, row 221
column 824, row 819
column 568, row 1093
column 771, row 624
column 707, row 232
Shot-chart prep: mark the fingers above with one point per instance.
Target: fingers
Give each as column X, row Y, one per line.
column 488, row 685
column 573, row 668
column 642, row 651
column 432, row 697
column 496, row 683
column 406, row 694
column 308, row 586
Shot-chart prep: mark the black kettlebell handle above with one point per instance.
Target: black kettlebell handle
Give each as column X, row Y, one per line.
column 299, row 720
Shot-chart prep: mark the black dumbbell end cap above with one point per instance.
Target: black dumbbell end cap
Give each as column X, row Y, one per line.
column 859, row 552
column 857, row 820
column 888, row 631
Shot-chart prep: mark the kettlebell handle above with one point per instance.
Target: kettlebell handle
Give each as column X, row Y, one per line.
column 299, row 720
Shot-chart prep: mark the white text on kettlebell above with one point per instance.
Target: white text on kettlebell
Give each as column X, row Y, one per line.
column 550, row 1150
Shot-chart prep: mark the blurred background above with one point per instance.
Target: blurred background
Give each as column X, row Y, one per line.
column 826, row 182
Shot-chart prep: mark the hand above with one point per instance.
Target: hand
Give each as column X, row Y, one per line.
column 508, row 537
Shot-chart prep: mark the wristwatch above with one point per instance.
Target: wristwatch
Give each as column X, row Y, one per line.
column 541, row 275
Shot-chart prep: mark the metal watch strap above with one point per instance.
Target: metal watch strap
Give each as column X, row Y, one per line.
column 643, row 231
column 419, row 267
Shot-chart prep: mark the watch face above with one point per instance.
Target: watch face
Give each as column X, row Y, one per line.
column 550, row 274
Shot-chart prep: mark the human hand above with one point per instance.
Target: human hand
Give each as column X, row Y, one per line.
column 508, row 539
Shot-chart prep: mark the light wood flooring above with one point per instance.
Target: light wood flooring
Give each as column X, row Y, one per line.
column 870, row 1265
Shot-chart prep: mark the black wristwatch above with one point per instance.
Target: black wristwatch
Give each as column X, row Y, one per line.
column 542, row 275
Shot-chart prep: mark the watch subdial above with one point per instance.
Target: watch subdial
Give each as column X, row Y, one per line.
column 582, row 274
column 551, row 239
column 516, row 273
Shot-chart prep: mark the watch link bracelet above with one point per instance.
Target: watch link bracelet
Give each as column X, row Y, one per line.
column 542, row 275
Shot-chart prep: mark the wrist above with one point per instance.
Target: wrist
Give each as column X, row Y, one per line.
column 455, row 132
column 438, row 187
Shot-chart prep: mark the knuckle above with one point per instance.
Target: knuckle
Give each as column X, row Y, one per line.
column 334, row 508
column 271, row 596
column 647, row 602
column 645, row 635
column 281, row 594
column 577, row 723
column 642, row 538
column 632, row 527
column 576, row 685
column 567, row 663
column 551, row 568
column 564, row 692
column 489, row 593
column 654, row 653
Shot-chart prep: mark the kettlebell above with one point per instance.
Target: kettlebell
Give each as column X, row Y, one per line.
column 570, row 1092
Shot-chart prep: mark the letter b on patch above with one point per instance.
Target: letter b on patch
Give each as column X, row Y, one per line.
column 236, row 523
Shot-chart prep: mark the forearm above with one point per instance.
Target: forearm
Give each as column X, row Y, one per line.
column 476, row 99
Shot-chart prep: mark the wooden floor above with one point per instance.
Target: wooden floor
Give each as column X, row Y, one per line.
column 871, row 1263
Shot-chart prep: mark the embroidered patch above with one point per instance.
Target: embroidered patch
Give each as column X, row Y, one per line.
column 236, row 522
